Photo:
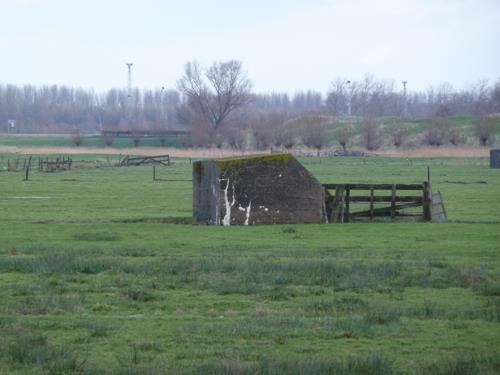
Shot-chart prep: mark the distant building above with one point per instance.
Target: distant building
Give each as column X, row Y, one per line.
column 256, row 189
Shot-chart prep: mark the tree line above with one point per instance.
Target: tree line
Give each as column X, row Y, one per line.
column 218, row 105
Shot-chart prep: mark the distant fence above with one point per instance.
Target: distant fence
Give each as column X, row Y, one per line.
column 144, row 133
column 128, row 161
column 16, row 165
column 59, row 164
column 339, row 205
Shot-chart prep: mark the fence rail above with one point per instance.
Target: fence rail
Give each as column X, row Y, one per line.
column 338, row 203
column 54, row 165
column 128, row 161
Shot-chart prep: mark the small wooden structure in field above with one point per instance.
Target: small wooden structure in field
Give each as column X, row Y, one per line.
column 495, row 158
column 256, row 189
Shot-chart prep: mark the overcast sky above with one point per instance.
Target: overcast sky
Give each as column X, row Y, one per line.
column 285, row 45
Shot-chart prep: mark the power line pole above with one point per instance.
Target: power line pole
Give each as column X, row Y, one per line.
column 130, row 100
column 405, row 101
column 349, row 97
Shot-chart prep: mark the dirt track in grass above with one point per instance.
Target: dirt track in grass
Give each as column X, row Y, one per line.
column 146, row 151
column 214, row 153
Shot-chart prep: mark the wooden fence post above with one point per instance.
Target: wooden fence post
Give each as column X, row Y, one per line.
column 28, row 165
column 347, row 206
column 338, row 210
column 427, row 200
column 371, row 202
column 393, row 202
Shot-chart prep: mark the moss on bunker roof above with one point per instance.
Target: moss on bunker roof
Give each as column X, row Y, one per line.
column 252, row 159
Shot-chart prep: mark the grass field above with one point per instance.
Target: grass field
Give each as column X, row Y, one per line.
column 101, row 273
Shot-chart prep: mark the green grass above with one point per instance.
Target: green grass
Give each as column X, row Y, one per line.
column 101, row 273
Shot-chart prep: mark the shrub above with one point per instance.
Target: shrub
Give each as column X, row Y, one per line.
column 344, row 135
column 370, row 133
column 484, row 130
column 77, row 137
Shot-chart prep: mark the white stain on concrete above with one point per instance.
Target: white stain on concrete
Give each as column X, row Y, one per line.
column 248, row 213
column 226, row 221
column 214, row 193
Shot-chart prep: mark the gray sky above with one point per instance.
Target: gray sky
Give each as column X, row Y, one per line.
column 285, row 45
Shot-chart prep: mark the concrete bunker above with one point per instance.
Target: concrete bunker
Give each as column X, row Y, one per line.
column 256, row 189
column 277, row 189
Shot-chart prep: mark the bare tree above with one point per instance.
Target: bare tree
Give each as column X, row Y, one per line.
column 236, row 137
column 344, row 135
column 484, row 130
column 267, row 127
column 313, row 131
column 454, row 136
column 398, row 131
column 136, row 136
column 213, row 94
column 370, row 132
column 336, row 100
column 77, row 137
column 108, row 139
column 436, row 133
column 286, row 134
column 496, row 96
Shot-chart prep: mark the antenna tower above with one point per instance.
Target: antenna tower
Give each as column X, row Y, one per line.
column 129, row 91
column 405, row 99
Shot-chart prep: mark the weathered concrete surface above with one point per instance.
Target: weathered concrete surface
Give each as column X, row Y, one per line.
column 495, row 158
column 257, row 189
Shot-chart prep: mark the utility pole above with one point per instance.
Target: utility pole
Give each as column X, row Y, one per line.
column 130, row 100
column 405, row 101
column 11, row 125
column 349, row 97
column 163, row 113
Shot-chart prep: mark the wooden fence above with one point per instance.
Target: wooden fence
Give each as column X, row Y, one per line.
column 16, row 165
column 59, row 164
column 339, row 202
column 145, row 133
column 128, row 161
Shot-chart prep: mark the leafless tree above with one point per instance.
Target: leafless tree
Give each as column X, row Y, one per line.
column 267, row 127
column 213, row 94
column 454, row 136
column 136, row 136
column 313, row 131
column 236, row 137
column 484, row 130
column 398, row 131
column 344, row 135
column 436, row 133
column 371, row 134
column 336, row 100
column 77, row 137
column 108, row 139
column 496, row 96
column 286, row 134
